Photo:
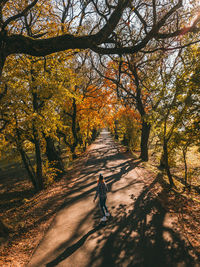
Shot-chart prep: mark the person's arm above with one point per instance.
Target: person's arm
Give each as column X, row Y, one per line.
column 106, row 186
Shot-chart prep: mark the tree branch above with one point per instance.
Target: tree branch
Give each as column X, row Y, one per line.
column 112, row 22
column 41, row 47
column 141, row 19
column 19, row 15
column 170, row 48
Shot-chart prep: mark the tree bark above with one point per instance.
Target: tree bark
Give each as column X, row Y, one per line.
column 144, row 140
column 94, row 134
column 24, row 157
column 186, row 168
column 116, row 129
column 2, row 52
column 162, row 162
column 53, row 156
column 146, row 127
column 2, row 62
column 38, row 156
column 27, row 166
column 74, row 129
column 39, row 178
column 166, row 160
column 4, row 231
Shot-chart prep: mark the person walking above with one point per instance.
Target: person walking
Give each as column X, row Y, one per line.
column 101, row 191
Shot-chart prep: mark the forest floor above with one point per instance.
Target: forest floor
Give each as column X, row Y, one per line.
column 149, row 224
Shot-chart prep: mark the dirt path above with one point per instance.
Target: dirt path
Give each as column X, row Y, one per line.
column 139, row 233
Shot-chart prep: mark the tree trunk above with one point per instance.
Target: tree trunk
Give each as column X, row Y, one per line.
column 145, row 125
column 144, row 140
column 2, row 57
column 186, row 169
column 4, row 231
column 166, row 160
column 125, row 141
column 24, row 157
column 27, row 166
column 162, row 162
column 39, row 178
column 53, row 156
column 94, row 134
column 74, row 130
column 116, row 129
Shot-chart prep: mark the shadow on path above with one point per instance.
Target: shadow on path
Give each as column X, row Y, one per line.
column 90, row 172
column 70, row 250
column 124, row 168
column 137, row 235
column 84, row 189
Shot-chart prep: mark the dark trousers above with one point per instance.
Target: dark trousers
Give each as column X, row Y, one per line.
column 102, row 202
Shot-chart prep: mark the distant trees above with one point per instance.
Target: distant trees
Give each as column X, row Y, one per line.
column 132, row 77
column 125, row 123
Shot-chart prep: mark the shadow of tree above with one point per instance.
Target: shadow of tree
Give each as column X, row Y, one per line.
column 122, row 168
column 195, row 188
column 85, row 190
column 69, row 201
column 70, row 250
column 137, row 236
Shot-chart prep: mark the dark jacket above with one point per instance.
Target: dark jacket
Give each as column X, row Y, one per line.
column 101, row 190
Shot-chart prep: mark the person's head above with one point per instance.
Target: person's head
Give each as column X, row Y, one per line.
column 100, row 178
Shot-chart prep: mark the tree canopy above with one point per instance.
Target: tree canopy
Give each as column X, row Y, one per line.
column 39, row 28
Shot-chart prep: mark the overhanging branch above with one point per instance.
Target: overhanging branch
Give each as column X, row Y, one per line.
column 19, row 15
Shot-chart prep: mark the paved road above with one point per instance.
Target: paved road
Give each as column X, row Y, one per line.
column 139, row 232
